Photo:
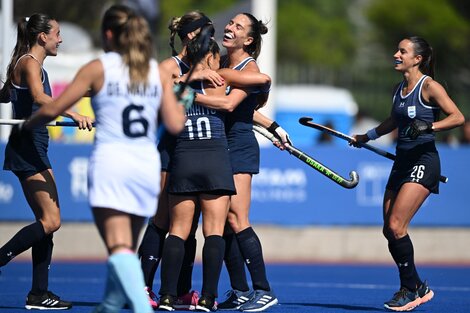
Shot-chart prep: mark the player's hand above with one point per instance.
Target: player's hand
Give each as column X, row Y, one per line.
column 82, row 121
column 280, row 134
column 186, row 97
column 358, row 139
column 418, row 127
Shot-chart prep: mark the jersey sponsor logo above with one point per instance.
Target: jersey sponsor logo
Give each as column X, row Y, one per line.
column 402, row 104
column 411, row 111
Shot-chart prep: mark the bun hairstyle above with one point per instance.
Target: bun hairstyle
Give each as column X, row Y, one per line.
column 188, row 23
column 258, row 28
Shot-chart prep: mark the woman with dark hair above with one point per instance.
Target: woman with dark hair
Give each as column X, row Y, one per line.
column 186, row 27
column 27, row 87
column 242, row 40
column 127, row 91
column 417, row 102
column 208, row 184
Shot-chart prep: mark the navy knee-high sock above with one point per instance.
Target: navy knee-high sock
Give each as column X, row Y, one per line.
column 235, row 263
column 172, row 258
column 403, row 254
column 212, row 260
column 42, row 255
column 186, row 273
column 21, row 241
column 150, row 251
column 252, row 252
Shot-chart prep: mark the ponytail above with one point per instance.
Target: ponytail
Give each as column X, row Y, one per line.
column 28, row 29
column 132, row 39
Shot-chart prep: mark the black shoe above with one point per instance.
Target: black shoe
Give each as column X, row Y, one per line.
column 46, row 301
column 425, row 293
column 235, row 299
column 206, row 304
column 403, row 300
column 166, row 303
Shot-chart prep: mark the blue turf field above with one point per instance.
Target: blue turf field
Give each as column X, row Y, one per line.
column 300, row 288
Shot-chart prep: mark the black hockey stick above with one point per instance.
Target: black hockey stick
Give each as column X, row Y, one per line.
column 343, row 182
column 307, row 121
column 53, row 123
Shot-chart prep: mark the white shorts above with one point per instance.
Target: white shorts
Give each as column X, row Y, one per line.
column 125, row 178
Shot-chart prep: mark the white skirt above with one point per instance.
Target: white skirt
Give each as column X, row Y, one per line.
column 124, row 178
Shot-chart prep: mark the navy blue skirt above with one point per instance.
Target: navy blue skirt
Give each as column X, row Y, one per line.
column 201, row 166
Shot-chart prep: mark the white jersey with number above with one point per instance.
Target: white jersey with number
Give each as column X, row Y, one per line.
column 124, row 168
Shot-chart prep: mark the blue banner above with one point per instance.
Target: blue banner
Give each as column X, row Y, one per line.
column 286, row 192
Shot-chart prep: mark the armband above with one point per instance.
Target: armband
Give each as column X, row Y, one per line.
column 272, row 128
column 372, row 134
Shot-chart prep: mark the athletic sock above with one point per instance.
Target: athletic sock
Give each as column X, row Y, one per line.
column 21, row 241
column 250, row 247
column 403, row 255
column 172, row 259
column 114, row 297
column 42, row 255
column 150, row 251
column 235, row 263
column 212, row 260
column 186, row 273
column 125, row 267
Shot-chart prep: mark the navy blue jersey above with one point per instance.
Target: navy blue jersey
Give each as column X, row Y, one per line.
column 29, row 156
column 184, row 68
column 244, row 148
column 167, row 141
column 241, row 119
column 202, row 123
column 409, row 107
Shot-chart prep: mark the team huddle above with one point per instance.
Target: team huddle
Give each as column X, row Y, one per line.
column 200, row 164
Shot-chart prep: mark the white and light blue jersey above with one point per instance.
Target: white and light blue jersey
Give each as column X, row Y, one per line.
column 125, row 115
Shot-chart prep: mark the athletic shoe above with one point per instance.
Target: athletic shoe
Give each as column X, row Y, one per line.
column 46, row 301
column 206, row 304
column 187, row 302
column 424, row 293
column 152, row 297
column 261, row 301
column 166, row 303
column 235, row 299
column 403, row 300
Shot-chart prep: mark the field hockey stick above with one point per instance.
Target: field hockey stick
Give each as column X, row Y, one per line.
column 204, row 39
column 307, row 121
column 343, row 182
column 54, row 123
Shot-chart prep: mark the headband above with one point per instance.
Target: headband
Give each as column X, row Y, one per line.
column 190, row 27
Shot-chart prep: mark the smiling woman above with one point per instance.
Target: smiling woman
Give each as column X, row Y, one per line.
column 27, row 87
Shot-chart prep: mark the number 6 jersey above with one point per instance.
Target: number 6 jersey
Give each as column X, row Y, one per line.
column 124, row 168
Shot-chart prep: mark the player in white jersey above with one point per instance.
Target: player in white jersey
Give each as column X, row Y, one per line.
column 126, row 90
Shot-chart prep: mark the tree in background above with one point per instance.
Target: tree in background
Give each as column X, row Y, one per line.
column 315, row 32
column 444, row 23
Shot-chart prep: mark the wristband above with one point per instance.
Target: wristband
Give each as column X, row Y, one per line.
column 273, row 127
column 372, row 134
